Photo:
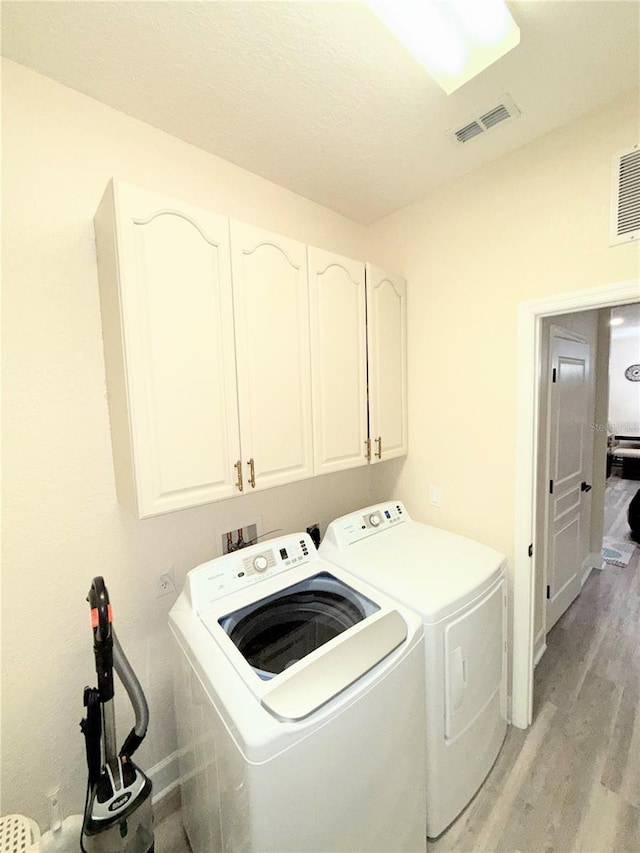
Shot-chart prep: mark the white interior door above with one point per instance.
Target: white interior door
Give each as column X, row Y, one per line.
column 570, row 443
column 338, row 361
column 271, row 305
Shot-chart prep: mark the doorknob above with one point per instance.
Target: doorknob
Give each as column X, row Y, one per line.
column 585, row 487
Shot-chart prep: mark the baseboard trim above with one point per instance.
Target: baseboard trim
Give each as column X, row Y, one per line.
column 591, row 561
column 165, row 776
column 539, row 647
column 539, row 654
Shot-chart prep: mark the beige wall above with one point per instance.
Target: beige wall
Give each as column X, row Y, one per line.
column 532, row 224
column 624, row 399
column 62, row 525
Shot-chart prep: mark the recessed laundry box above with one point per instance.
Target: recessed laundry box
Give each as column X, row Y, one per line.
column 458, row 587
column 299, row 702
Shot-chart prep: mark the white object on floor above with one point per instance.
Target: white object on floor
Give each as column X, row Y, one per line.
column 617, row 553
column 299, row 703
column 19, row 834
column 65, row 839
column 458, row 587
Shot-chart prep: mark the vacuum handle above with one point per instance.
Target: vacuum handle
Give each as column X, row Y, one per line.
column 136, row 696
column 101, row 617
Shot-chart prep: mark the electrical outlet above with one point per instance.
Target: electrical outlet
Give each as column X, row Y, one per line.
column 435, row 496
column 55, row 809
column 166, row 584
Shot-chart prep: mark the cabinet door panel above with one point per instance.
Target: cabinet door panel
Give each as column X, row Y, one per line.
column 270, row 292
column 177, row 316
column 387, row 363
column 338, row 361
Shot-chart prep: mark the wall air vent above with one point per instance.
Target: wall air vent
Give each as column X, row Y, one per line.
column 625, row 197
column 485, row 120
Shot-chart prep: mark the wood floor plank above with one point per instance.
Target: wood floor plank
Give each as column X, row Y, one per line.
column 627, row 839
column 630, row 783
column 620, row 745
column 599, row 828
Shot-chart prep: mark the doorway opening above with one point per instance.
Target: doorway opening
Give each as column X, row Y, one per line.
column 530, row 323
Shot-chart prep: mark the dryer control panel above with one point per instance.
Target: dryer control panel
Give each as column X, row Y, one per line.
column 220, row 577
column 366, row 522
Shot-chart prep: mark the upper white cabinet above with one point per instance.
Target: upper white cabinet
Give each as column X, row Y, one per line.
column 339, row 361
column 237, row 359
column 166, row 302
column 359, row 374
column 271, row 302
column 387, row 363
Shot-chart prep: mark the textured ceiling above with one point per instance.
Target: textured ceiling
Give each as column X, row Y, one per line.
column 318, row 96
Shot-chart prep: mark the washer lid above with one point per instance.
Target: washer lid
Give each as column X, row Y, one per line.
column 430, row 570
column 340, row 666
column 275, row 632
column 299, row 646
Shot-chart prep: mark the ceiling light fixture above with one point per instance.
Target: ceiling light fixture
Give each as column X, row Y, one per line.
column 616, row 321
column 453, row 39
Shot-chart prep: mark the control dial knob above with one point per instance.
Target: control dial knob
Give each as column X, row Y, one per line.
column 260, row 563
column 374, row 520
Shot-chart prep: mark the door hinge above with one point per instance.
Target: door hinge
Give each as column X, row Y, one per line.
column 555, row 375
column 548, row 592
column 530, row 551
column 550, row 487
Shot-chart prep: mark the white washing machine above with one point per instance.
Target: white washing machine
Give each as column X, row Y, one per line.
column 458, row 586
column 299, row 699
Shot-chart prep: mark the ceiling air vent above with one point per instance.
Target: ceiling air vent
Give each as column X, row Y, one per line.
column 495, row 116
column 485, row 120
column 625, row 197
column 464, row 134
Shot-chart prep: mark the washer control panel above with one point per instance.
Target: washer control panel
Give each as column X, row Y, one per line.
column 240, row 569
column 367, row 522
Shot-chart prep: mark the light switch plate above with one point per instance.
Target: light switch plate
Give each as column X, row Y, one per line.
column 435, row 496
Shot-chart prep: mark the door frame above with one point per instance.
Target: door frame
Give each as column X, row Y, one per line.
column 530, row 315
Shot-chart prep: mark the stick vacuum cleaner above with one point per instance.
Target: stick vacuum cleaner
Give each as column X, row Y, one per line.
column 117, row 815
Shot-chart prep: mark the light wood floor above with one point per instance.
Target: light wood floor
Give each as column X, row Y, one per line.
column 570, row 783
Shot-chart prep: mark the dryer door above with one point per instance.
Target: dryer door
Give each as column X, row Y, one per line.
column 474, row 649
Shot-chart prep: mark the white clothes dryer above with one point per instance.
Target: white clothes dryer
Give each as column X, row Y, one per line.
column 299, row 698
column 458, row 587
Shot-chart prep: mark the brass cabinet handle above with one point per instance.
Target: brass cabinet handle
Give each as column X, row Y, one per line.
column 252, row 469
column 367, row 451
column 379, row 443
column 238, row 467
